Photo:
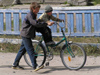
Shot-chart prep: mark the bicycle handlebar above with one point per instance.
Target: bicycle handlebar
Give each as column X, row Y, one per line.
column 59, row 25
column 69, row 26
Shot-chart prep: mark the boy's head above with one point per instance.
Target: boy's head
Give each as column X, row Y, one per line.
column 34, row 7
column 48, row 9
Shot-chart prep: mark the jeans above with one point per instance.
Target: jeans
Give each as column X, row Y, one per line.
column 26, row 46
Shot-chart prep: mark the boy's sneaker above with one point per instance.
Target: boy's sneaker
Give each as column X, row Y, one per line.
column 38, row 68
column 50, row 43
column 18, row 68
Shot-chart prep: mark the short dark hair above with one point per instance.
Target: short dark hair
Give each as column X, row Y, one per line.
column 34, row 5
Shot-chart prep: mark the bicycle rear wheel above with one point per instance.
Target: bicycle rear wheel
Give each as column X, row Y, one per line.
column 75, row 58
column 41, row 54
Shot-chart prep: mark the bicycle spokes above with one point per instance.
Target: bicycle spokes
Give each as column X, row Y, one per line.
column 73, row 56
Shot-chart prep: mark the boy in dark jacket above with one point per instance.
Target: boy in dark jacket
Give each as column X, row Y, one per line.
column 28, row 31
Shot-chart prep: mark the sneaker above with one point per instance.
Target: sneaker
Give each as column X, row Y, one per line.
column 18, row 68
column 50, row 43
column 38, row 68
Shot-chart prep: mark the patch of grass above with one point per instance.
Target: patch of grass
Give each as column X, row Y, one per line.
column 81, row 39
column 13, row 48
column 92, row 50
column 65, row 2
column 10, row 36
column 96, row 2
column 7, row 47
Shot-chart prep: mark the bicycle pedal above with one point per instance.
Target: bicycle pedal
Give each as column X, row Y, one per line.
column 47, row 64
column 70, row 42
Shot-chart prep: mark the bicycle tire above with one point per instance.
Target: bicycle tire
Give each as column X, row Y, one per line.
column 73, row 63
column 41, row 54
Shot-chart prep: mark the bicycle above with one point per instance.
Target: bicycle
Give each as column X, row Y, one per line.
column 73, row 55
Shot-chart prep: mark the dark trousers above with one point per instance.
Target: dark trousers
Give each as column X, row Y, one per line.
column 26, row 46
column 46, row 33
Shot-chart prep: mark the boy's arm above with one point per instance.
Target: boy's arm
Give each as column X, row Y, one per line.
column 56, row 19
column 43, row 18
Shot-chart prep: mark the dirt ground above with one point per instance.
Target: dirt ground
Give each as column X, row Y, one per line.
column 92, row 67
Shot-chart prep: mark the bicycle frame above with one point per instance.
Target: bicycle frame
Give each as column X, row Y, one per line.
column 66, row 43
column 63, row 39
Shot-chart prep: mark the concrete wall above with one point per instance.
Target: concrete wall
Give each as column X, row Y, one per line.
column 42, row 1
column 10, row 2
column 6, row 2
column 77, row 2
column 55, row 1
column 29, row 1
column 73, row 2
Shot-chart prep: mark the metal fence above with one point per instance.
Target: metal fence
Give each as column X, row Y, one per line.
column 79, row 22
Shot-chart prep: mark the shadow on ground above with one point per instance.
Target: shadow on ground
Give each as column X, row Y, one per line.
column 62, row 68
column 50, row 69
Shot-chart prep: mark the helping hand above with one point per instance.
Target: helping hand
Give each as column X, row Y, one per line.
column 50, row 23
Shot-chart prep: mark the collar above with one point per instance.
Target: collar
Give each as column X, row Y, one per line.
column 33, row 15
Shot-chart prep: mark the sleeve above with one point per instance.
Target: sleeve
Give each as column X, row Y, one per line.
column 55, row 19
column 43, row 18
column 35, row 22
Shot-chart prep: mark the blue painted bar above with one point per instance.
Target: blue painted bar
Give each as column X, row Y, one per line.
column 62, row 17
column 8, row 21
column 70, row 24
column 1, row 22
column 87, row 22
column 96, row 22
column 79, row 25
column 16, row 21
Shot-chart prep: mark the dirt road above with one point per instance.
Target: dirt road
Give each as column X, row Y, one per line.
column 92, row 67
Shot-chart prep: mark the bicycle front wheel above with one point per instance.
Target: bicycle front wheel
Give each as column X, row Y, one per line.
column 73, row 57
column 41, row 54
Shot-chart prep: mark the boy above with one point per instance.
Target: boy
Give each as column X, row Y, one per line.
column 45, row 17
column 27, row 33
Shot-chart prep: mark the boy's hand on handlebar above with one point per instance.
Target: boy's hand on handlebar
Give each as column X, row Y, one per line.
column 50, row 23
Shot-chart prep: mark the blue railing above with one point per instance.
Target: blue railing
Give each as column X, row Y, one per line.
column 79, row 22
